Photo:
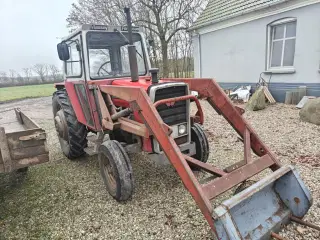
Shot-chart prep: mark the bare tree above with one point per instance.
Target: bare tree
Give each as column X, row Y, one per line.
column 27, row 74
column 42, row 71
column 12, row 75
column 161, row 19
column 3, row 77
column 54, row 72
column 20, row 80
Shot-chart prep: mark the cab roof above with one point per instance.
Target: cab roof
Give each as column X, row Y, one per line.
column 105, row 28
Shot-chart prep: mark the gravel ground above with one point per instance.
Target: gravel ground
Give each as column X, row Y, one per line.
column 66, row 199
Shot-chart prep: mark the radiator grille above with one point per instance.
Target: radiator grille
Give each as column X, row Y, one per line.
column 177, row 113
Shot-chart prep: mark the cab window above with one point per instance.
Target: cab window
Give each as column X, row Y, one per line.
column 73, row 65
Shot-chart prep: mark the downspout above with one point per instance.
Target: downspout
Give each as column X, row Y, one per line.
column 200, row 56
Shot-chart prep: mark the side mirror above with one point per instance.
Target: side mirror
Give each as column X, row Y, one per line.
column 63, row 51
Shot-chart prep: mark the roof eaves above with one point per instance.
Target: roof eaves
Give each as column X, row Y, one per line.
column 257, row 8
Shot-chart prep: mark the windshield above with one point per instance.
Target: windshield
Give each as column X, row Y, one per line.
column 108, row 54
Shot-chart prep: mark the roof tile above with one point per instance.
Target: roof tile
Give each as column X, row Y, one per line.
column 220, row 10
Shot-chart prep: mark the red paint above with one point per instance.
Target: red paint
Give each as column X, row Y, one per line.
column 172, row 101
column 144, row 82
column 147, row 145
column 75, row 101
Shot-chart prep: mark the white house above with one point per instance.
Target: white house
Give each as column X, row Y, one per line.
column 236, row 41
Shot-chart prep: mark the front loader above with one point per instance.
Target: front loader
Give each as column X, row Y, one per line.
column 110, row 89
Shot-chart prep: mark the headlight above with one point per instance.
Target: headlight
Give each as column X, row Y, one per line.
column 182, row 129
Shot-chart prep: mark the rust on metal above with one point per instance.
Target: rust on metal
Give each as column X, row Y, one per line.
column 240, row 110
column 277, row 236
column 105, row 114
column 299, row 221
column 220, row 185
column 296, row 200
column 183, row 98
column 247, row 146
column 133, row 127
column 269, row 219
column 204, row 166
column 235, row 166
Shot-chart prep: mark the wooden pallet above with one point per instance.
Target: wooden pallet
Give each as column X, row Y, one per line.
column 268, row 95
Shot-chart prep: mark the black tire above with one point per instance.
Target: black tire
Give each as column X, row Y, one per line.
column 200, row 139
column 74, row 139
column 116, row 170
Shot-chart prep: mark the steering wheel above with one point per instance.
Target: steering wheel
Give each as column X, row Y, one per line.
column 102, row 69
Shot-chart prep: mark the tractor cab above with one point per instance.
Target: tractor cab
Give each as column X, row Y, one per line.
column 96, row 52
column 100, row 55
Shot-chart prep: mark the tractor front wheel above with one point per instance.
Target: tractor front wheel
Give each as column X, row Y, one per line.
column 71, row 133
column 200, row 139
column 116, row 170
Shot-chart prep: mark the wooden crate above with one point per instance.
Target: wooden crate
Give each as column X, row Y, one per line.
column 22, row 142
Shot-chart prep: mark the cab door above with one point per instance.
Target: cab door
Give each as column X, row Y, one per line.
column 80, row 96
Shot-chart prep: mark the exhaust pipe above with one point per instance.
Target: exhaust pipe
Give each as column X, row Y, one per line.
column 132, row 49
column 154, row 75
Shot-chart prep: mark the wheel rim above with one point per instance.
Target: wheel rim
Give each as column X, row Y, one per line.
column 61, row 125
column 109, row 172
column 62, row 131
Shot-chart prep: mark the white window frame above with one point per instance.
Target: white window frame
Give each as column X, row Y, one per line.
column 281, row 69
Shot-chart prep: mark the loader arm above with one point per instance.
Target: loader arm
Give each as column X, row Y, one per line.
column 211, row 91
column 139, row 100
column 224, row 223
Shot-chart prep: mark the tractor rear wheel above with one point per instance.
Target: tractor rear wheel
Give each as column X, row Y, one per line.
column 71, row 133
column 116, row 170
column 200, row 139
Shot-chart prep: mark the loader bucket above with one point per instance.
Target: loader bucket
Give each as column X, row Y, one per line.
column 263, row 207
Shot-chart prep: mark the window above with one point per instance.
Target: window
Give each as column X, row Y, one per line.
column 282, row 42
column 109, row 56
column 73, row 65
column 125, row 58
column 100, row 63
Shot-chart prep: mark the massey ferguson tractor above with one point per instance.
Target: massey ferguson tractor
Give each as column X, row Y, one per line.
column 110, row 89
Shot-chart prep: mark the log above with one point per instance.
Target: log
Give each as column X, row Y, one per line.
column 288, row 98
column 295, row 97
column 302, row 92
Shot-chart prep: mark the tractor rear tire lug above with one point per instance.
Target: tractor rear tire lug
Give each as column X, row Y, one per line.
column 71, row 133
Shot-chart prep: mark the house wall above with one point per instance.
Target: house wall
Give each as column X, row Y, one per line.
column 237, row 55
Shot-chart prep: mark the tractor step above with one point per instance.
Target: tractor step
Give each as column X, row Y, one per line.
column 264, row 207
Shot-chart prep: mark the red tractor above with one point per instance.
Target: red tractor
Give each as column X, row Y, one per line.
column 110, row 89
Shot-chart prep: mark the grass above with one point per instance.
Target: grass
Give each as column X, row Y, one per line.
column 30, row 91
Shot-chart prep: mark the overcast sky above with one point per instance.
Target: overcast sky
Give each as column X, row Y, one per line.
column 29, row 30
